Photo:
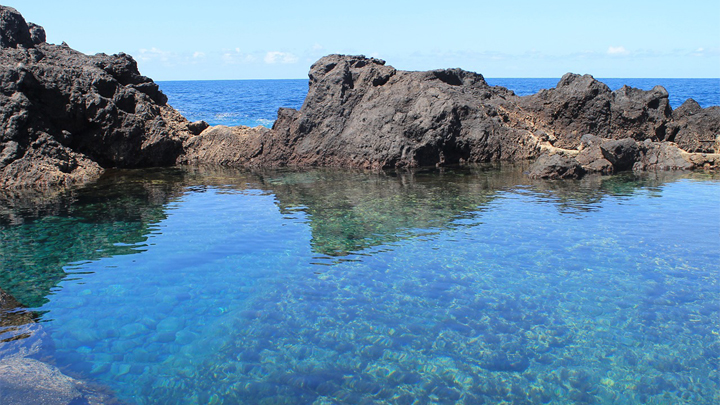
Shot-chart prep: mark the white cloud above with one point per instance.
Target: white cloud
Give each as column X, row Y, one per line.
column 198, row 55
column 274, row 57
column 318, row 47
column 151, row 54
column 617, row 50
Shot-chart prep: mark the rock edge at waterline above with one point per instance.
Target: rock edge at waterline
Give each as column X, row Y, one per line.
column 361, row 113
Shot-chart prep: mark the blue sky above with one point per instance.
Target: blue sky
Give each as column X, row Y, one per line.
column 191, row 40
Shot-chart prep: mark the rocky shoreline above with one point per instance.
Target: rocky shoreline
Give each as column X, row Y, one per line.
column 66, row 117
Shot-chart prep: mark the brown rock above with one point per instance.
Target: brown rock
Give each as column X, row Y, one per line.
column 555, row 167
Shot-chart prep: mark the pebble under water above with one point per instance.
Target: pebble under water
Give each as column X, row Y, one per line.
column 469, row 286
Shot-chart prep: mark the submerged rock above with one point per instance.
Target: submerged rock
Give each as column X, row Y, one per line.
column 65, row 116
column 25, row 380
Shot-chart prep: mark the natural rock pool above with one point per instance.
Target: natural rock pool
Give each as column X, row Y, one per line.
column 475, row 285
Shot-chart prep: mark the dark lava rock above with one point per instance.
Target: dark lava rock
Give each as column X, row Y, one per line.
column 14, row 31
column 64, row 116
column 661, row 156
column 696, row 129
column 621, row 153
column 197, row 127
column 556, row 166
column 582, row 105
column 592, row 160
column 591, row 157
column 360, row 112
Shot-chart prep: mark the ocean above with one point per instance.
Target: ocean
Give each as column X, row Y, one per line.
column 470, row 285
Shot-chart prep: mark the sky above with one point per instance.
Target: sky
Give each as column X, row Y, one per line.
column 266, row 39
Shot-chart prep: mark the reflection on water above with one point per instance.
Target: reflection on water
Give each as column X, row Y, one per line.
column 456, row 286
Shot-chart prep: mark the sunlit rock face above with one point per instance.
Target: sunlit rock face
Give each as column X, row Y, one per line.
column 360, row 112
column 65, row 116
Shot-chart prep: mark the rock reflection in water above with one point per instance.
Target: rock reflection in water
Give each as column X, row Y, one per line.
column 459, row 285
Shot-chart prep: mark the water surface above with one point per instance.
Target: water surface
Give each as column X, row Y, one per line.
column 471, row 286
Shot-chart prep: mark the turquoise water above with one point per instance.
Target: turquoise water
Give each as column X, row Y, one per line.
column 197, row 286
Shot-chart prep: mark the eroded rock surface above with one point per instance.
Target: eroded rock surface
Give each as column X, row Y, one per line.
column 64, row 116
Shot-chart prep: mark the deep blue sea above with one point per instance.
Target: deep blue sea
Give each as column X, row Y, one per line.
column 255, row 102
column 471, row 285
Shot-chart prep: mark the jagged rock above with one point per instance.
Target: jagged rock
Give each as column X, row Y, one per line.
column 37, row 33
column 580, row 105
column 591, row 157
column 622, row 153
column 592, row 160
column 14, row 31
column 64, row 116
column 661, row 156
column 359, row 112
column 696, row 129
column 554, row 167
column 197, row 127
column 363, row 113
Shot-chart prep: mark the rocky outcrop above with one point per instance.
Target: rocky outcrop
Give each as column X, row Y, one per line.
column 359, row 112
column 65, row 116
column 555, row 167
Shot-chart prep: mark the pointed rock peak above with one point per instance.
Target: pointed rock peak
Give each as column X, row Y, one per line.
column 15, row 31
column 577, row 81
column 689, row 107
column 458, row 77
column 327, row 63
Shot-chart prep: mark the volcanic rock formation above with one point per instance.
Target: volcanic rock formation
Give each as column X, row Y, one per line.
column 360, row 112
column 64, row 116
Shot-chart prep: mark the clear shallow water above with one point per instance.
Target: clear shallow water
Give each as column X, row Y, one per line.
column 255, row 102
column 324, row 286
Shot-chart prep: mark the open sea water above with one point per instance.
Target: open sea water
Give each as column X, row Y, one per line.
column 462, row 285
